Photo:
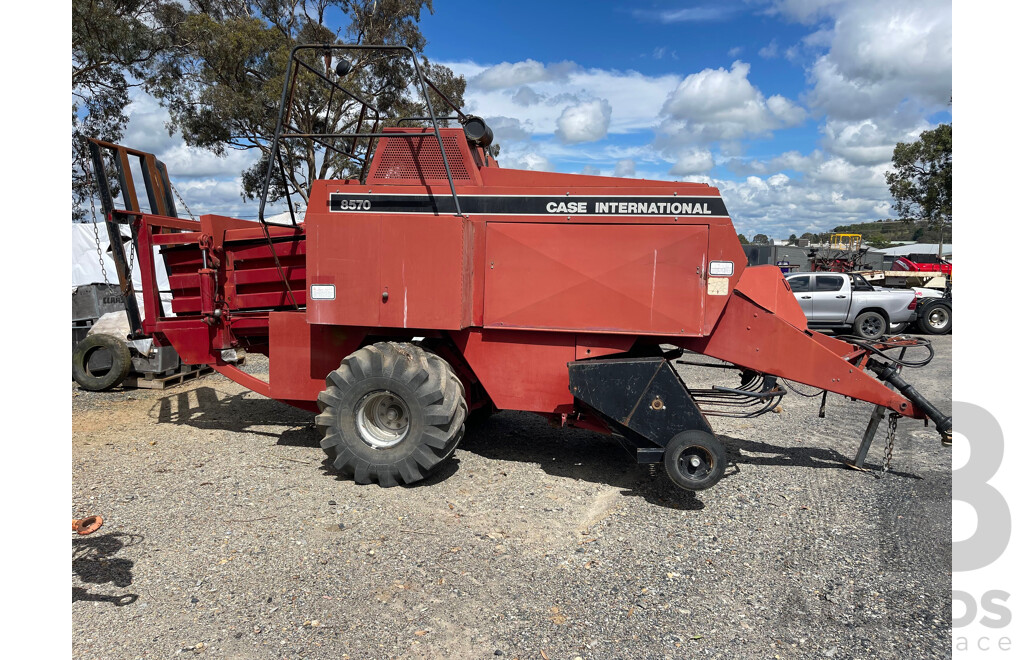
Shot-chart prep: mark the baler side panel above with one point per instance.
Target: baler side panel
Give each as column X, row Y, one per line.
column 391, row 271
column 521, row 370
column 423, row 271
column 301, row 354
column 345, row 253
column 637, row 279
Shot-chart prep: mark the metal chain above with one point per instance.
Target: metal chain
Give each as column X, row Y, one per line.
column 96, row 234
column 890, row 441
column 95, row 227
column 131, row 260
column 181, row 199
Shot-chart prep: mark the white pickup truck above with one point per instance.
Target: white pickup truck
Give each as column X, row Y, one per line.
column 842, row 300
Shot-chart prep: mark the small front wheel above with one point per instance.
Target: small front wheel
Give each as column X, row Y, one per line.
column 695, row 460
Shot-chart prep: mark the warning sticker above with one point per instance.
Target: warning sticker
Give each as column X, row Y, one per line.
column 718, row 286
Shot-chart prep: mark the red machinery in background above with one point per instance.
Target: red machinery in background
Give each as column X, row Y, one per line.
column 533, row 291
column 923, row 263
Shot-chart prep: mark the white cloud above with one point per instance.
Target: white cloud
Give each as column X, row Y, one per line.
column 526, row 96
column 714, row 12
column 528, row 160
column 720, row 104
column 514, row 74
column 692, row 161
column 883, row 54
column 507, row 129
column 869, row 141
column 770, row 51
column 147, row 131
column 634, row 98
column 584, row 122
column 626, row 168
column 804, row 11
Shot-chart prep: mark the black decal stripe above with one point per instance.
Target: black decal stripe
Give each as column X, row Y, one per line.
column 513, row 205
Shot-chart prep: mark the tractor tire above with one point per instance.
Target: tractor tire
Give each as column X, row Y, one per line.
column 392, row 413
column 936, row 319
column 695, row 460
column 870, row 325
column 100, row 379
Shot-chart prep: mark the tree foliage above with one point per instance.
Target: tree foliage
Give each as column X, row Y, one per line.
column 743, row 239
column 113, row 45
column 219, row 66
column 761, row 239
column 921, row 182
column 878, row 241
column 223, row 82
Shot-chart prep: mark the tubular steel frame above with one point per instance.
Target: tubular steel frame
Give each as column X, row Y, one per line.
column 284, row 111
column 161, row 202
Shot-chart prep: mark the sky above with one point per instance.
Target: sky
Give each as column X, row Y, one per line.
column 790, row 107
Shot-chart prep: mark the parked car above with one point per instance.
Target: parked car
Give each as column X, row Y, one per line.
column 848, row 301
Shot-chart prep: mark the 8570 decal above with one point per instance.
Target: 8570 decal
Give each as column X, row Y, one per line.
column 339, row 203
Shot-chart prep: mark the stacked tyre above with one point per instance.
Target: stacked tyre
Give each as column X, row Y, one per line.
column 392, row 414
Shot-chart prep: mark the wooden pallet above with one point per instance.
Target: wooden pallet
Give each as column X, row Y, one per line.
column 186, row 372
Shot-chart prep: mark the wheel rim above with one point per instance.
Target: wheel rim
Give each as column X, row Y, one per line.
column 937, row 318
column 871, row 326
column 696, row 463
column 382, row 419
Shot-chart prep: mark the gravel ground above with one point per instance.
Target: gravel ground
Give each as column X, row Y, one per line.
column 227, row 536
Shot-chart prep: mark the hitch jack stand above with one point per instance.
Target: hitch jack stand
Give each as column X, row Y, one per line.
column 869, row 436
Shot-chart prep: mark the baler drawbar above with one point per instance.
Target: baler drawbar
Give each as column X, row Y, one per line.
column 434, row 286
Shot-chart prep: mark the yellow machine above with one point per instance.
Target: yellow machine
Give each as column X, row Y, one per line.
column 845, row 242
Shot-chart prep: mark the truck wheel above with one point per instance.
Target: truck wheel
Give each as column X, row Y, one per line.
column 89, row 352
column 937, row 319
column 870, row 325
column 391, row 414
column 694, row 460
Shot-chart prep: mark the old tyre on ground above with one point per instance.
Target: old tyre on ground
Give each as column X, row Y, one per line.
column 392, row 413
column 870, row 325
column 694, row 460
column 100, row 362
column 936, row 319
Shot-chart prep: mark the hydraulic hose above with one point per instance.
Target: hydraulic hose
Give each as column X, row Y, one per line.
column 890, row 374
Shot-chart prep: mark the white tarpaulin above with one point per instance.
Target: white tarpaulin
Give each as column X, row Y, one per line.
column 85, row 263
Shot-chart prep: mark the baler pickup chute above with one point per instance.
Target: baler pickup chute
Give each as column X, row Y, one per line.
column 763, row 328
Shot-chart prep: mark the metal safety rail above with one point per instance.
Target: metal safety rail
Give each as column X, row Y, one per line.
column 368, row 113
column 158, row 194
